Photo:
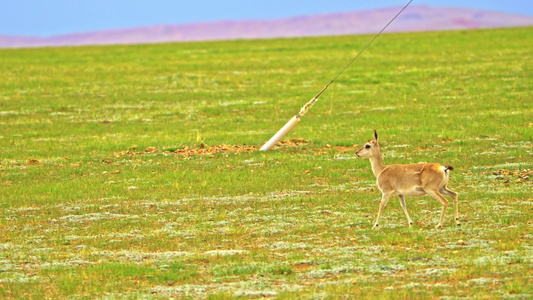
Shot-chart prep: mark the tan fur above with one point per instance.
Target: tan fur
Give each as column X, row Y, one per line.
column 410, row 180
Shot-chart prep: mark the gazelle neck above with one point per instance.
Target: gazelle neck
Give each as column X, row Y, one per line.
column 377, row 164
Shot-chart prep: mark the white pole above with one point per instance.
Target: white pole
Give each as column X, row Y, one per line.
column 281, row 133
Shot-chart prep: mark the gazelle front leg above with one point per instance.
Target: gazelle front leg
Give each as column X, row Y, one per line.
column 402, row 201
column 384, row 199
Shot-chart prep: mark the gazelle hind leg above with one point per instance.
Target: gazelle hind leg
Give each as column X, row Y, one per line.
column 454, row 196
column 384, row 199
column 444, row 203
column 402, row 201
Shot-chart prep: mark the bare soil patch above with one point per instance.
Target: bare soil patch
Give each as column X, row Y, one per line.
column 210, row 151
column 507, row 176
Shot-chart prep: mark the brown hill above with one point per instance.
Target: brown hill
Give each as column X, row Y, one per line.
column 414, row 18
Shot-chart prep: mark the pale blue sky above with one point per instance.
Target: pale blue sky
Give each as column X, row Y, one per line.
column 52, row 17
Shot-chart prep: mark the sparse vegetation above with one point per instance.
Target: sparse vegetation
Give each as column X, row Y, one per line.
column 97, row 198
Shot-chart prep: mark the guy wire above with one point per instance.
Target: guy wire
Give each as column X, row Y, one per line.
column 358, row 54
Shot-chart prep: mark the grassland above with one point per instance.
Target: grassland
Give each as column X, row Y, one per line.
column 95, row 203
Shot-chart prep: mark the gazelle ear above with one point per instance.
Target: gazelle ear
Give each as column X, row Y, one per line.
column 375, row 135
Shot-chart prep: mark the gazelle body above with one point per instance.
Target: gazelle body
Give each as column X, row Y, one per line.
column 410, row 180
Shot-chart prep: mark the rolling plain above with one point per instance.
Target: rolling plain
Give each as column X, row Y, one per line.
column 133, row 171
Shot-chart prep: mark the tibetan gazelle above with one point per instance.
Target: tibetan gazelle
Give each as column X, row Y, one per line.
column 411, row 180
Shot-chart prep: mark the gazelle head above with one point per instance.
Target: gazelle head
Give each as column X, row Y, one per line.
column 371, row 148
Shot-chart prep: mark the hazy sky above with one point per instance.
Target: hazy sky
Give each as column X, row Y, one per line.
column 51, row 17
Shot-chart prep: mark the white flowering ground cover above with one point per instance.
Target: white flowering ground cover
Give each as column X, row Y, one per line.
column 133, row 171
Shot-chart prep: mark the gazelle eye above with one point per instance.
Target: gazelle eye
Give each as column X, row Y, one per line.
column 367, row 146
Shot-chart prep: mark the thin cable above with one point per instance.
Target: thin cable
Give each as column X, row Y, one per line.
column 375, row 37
column 283, row 131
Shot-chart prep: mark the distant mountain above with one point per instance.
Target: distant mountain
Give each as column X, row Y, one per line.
column 414, row 18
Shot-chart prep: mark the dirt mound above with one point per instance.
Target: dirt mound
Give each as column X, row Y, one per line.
column 211, row 150
column 205, row 150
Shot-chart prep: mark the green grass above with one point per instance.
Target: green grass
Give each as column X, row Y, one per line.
column 86, row 212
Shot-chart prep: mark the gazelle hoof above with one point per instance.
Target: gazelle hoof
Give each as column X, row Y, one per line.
column 375, row 226
column 438, row 226
column 458, row 224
